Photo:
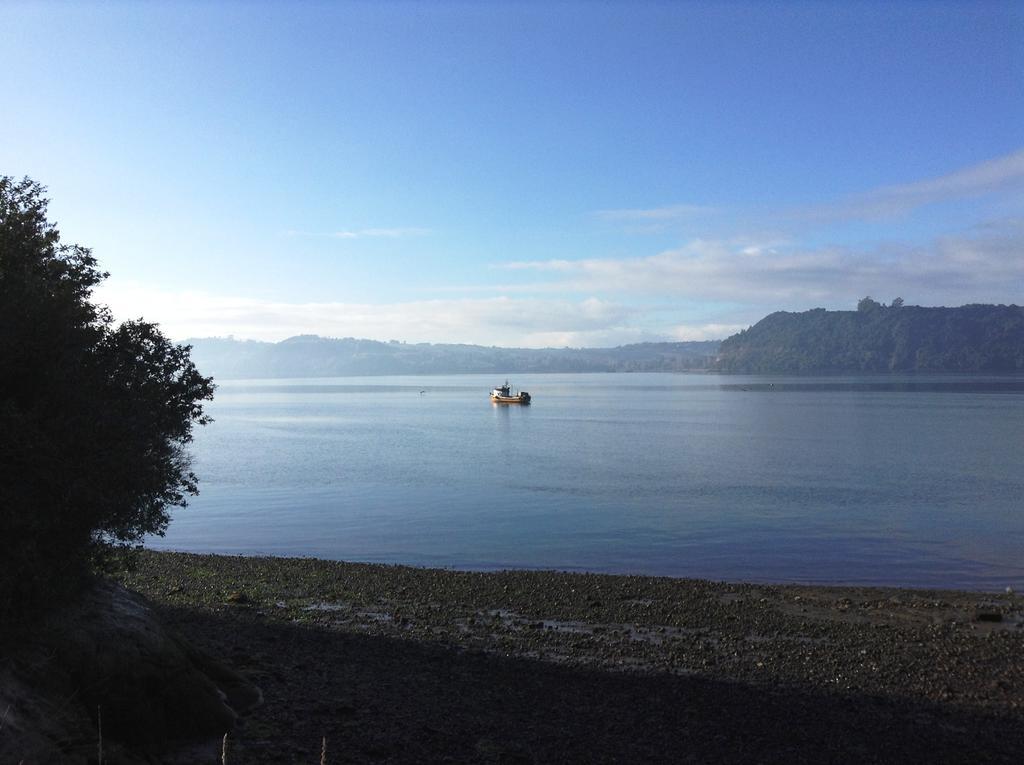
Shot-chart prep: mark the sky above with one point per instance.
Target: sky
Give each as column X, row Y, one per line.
column 522, row 174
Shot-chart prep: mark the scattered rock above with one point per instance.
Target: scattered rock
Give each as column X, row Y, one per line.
column 988, row 616
column 468, row 676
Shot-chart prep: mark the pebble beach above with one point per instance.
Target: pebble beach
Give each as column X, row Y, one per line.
column 375, row 663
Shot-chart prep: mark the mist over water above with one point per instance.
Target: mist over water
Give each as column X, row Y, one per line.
column 914, row 481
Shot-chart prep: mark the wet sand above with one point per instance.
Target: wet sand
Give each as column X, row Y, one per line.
column 400, row 664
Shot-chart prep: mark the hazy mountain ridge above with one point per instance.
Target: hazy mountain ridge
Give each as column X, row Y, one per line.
column 874, row 338
column 878, row 338
column 314, row 356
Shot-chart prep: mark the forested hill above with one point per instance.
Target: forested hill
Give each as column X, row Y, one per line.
column 879, row 338
column 313, row 356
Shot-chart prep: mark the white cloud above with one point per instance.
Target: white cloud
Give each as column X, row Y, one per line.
column 657, row 214
column 1001, row 174
column 608, row 337
column 985, row 264
column 365, row 233
column 684, row 332
column 527, row 322
column 751, row 278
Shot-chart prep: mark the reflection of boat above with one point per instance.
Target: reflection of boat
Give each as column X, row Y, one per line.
column 504, row 395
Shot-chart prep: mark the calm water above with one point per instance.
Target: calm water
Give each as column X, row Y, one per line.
column 915, row 481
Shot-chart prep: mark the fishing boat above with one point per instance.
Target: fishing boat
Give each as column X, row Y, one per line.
column 505, row 395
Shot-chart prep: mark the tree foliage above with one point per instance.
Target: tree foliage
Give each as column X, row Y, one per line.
column 95, row 417
column 878, row 338
column 867, row 305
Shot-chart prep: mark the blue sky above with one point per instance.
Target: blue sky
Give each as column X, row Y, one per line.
column 528, row 174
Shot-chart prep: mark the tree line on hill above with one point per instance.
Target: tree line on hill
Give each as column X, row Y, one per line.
column 313, row 356
column 880, row 338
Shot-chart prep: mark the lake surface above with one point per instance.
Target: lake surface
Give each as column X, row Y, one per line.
column 911, row 481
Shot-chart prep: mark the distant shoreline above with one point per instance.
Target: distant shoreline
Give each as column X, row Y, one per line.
column 256, row 557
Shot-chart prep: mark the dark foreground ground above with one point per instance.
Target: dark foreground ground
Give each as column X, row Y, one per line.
column 396, row 664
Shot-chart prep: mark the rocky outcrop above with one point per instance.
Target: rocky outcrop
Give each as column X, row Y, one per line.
column 108, row 665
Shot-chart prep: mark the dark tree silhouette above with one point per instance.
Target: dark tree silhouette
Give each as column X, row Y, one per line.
column 94, row 416
column 867, row 305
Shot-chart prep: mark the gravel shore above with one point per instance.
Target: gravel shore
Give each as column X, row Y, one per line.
column 400, row 664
